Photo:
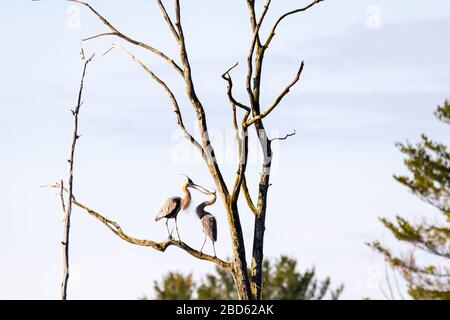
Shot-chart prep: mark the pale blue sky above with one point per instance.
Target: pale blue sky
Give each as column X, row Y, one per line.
column 362, row 90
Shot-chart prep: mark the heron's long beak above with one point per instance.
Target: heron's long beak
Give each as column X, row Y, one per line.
column 200, row 188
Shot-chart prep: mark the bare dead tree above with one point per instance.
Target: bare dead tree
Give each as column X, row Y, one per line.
column 248, row 286
column 67, row 205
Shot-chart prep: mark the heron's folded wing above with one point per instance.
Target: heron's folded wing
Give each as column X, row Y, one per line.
column 210, row 226
column 169, row 207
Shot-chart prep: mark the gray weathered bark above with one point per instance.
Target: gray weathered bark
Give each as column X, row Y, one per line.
column 67, row 207
column 248, row 287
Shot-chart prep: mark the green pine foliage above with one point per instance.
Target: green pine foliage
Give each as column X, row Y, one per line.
column 282, row 281
column 175, row 286
column 429, row 165
column 217, row 287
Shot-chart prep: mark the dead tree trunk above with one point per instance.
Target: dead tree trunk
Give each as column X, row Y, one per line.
column 248, row 286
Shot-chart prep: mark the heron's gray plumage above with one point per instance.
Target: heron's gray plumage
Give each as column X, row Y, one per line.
column 172, row 206
column 208, row 221
column 169, row 209
column 209, row 225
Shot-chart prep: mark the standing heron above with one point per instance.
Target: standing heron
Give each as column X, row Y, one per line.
column 208, row 221
column 172, row 206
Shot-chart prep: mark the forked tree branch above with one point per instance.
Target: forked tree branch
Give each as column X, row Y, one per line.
column 116, row 32
column 168, row 20
column 251, row 8
column 159, row 246
column 240, row 182
column 255, row 67
column 242, row 141
column 263, row 15
column 254, row 43
column 278, row 99
column 199, row 110
column 227, row 77
column 280, row 19
column 171, row 95
column 255, row 58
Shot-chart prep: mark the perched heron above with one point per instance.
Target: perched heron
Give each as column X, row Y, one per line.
column 208, row 221
column 172, row 206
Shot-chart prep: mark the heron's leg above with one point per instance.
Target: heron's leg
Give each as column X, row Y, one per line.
column 203, row 245
column 167, row 226
column 214, row 248
column 176, row 226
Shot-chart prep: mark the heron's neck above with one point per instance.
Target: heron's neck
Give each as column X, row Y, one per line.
column 201, row 207
column 186, row 200
column 210, row 201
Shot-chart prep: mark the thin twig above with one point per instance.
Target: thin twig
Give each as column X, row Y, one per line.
column 251, row 8
column 68, row 208
column 104, row 34
column 247, row 196
column 285, row 137
column 168, row 20
column 388, row 281
column 397, row 286
column 279, row 98
column 227, row 77
column 61, row 197
column 254, row 42
column 274, row 28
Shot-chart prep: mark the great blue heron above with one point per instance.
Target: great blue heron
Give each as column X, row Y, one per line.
column 208, row 221
column 172, row 206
